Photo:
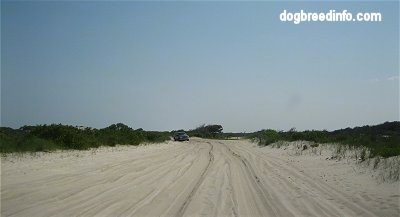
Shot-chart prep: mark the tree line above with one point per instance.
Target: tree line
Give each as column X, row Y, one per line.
column 383, row 139
column 213, row 131
column 58, row 136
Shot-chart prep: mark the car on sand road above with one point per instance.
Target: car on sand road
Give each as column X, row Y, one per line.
column 181, row 136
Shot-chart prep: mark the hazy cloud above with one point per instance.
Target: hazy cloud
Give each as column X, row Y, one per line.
column 376, row 80
column 393, row 78
column 373, row 80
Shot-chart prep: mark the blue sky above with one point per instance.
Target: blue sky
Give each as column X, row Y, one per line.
column 173, row 65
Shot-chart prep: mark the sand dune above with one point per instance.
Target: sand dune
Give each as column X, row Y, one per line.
column 196, row 178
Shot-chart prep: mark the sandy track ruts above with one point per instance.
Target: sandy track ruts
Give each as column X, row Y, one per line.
column 203, row 175
column 196, row 178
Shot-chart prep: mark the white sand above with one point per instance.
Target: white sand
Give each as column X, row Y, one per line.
column 196, row 178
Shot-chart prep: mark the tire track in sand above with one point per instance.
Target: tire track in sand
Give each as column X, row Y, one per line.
column 324, row 206
column 196, row 187
column 263, row 194
column 198, row 178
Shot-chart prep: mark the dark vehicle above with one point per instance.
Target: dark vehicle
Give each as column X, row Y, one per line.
column 181, row 136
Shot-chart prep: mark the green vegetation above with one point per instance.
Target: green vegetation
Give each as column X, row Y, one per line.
column 207, row 131
column 57, row 136
column 382, row 140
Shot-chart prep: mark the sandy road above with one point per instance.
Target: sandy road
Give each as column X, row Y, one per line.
column 196, row 178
